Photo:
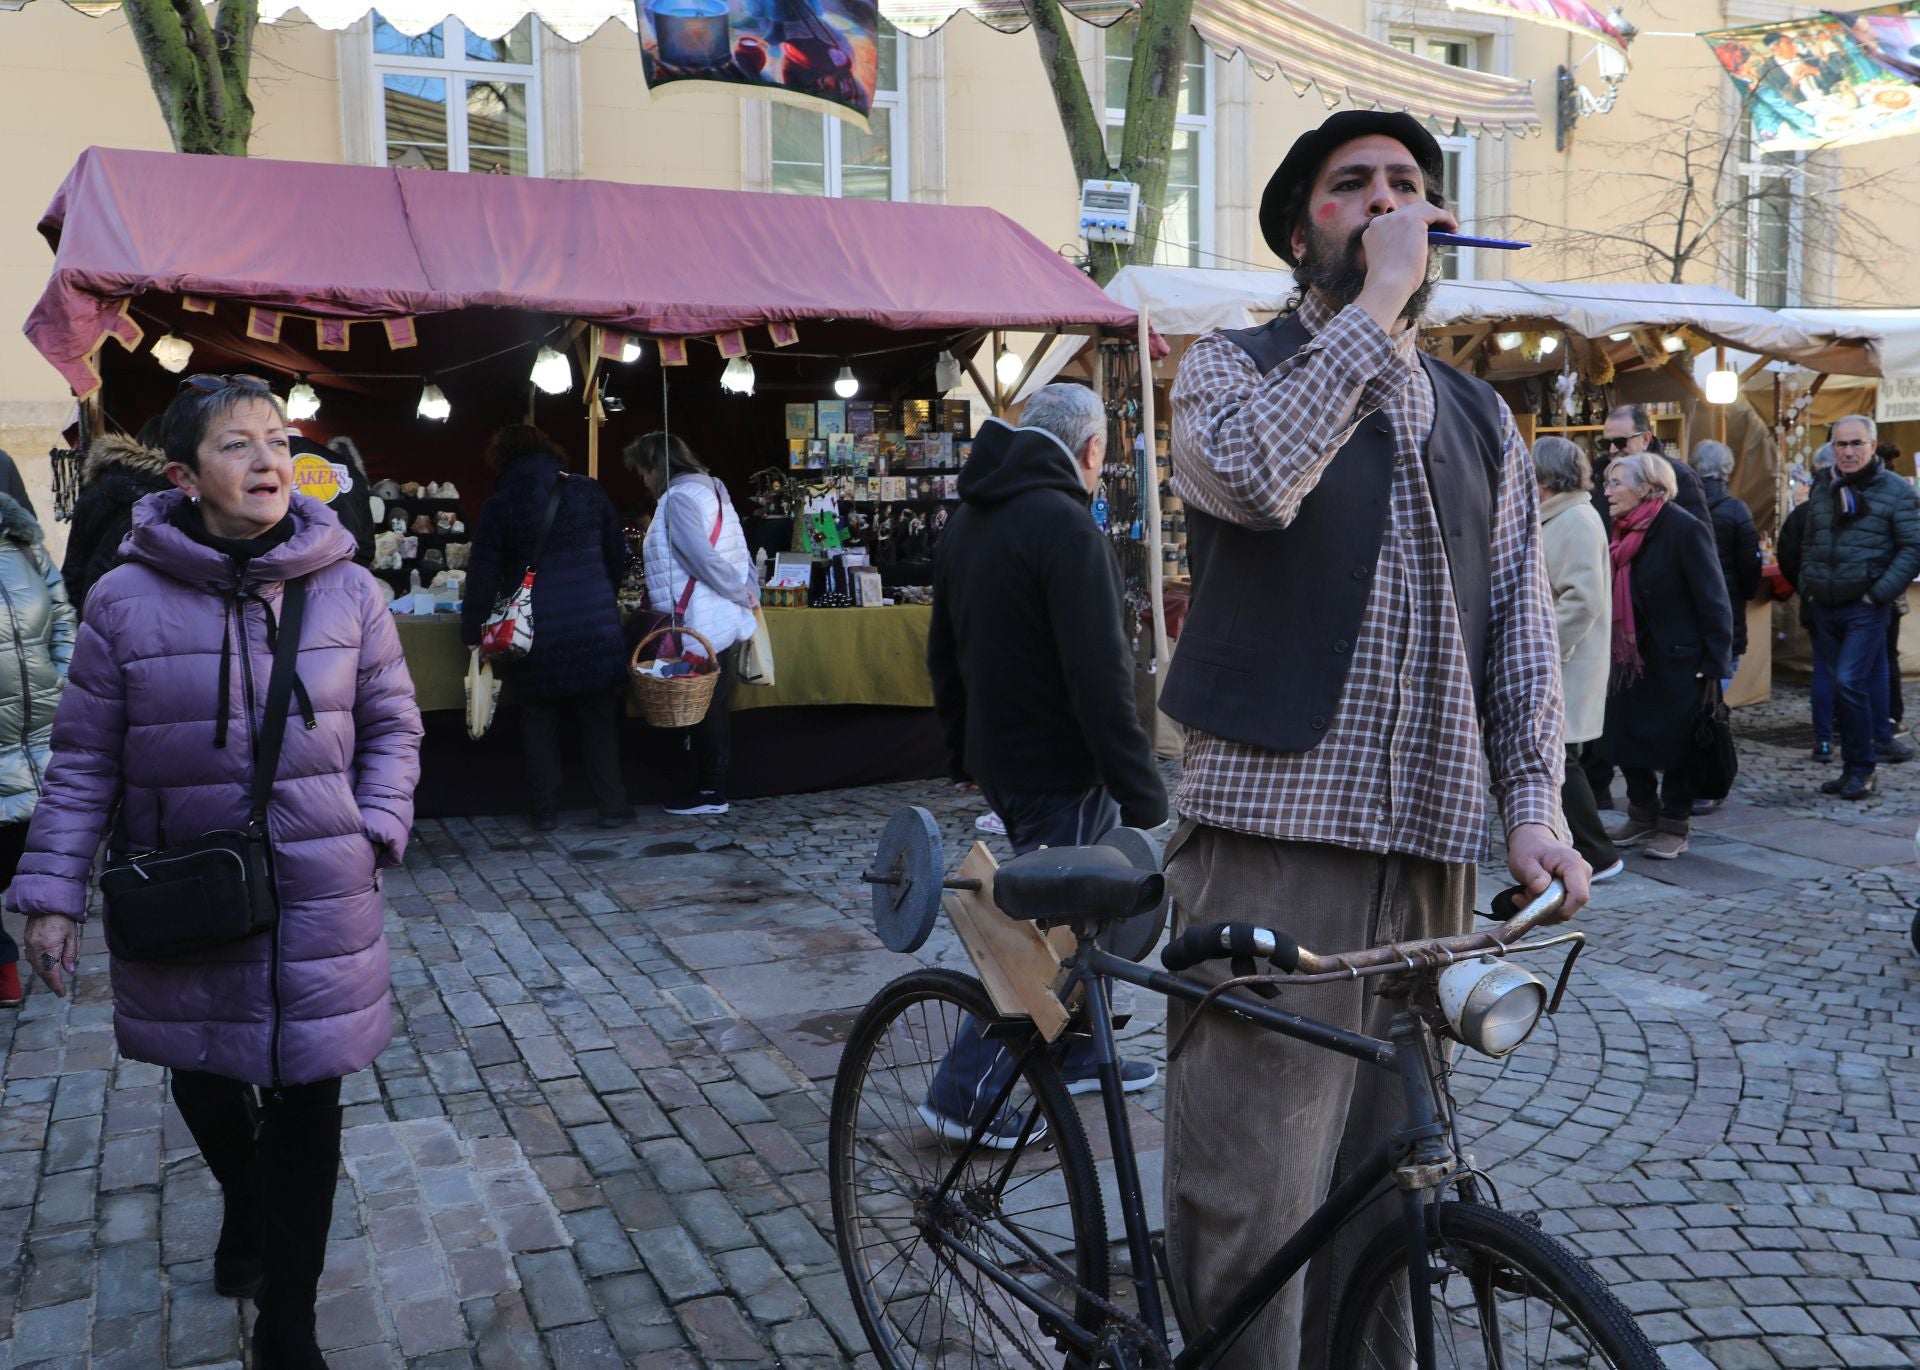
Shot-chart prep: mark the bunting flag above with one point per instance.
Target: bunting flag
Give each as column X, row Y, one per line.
column 401, row 333
column 612, row 342
column 673, row 352
column 194, row 304
column 783, row 334
column 1816, row 83
column 334, row 334
column 264, row 325
column 732, row 344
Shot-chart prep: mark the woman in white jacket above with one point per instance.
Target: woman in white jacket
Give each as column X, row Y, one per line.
column 697, row 569
column 1575, row 544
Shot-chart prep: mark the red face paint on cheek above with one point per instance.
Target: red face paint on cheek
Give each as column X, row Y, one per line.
column 1326, row 211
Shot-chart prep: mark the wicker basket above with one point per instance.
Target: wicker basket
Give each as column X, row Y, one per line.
column 676, row 701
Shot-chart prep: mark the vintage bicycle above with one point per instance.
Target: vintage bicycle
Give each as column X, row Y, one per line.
column 995, row 1251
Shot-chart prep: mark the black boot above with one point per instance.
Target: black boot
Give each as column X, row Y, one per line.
column 223, row 1117
column 299, row 1165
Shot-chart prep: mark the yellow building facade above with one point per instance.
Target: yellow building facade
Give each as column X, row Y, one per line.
column 965, row 118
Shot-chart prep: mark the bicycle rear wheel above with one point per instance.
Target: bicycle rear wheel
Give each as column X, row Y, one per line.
column 924, row 1226
column 1505, row 1296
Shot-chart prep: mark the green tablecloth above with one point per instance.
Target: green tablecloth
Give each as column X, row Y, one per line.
column 820, row 656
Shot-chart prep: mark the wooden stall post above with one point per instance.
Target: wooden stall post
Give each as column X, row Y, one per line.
column 1720, row 410
column 1151, row 481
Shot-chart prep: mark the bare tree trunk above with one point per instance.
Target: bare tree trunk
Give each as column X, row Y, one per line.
column 1153, row 94
column 199, row 70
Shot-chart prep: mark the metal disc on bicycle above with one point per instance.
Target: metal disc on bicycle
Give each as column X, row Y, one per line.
column 907, row 880
column 1132, row 938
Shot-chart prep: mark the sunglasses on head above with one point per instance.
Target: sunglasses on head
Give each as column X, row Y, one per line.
column 214, row 385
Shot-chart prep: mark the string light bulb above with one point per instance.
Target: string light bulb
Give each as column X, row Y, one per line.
column 737, row 379
column 846, row 385
column 434, row 403
column 552, row 372
column 1507, row 342
column 1673, row 342
column 1722, row 387
column 630, row 350
column 173, row 352
column 303, row 401
column 1007, row 366
column 1548, row 343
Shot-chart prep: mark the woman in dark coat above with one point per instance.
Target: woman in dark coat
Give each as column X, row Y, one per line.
column 578, row 663
column 117, row 474
column 1672, row 633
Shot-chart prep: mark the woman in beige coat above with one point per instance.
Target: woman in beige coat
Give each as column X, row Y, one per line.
column 1575, row 543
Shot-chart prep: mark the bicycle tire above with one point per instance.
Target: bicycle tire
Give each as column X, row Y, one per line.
column 919, row 1304
column 1480, row 1248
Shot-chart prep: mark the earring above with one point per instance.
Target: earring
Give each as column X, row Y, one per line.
column 194, row 498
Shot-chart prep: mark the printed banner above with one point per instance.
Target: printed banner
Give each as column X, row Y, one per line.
column 1898, row 401
column 811, row 50
column 1890, row 36
column 1813, row 83
column 1575, row 16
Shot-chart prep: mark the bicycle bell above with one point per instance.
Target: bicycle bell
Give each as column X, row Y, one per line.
column 1491, row 1004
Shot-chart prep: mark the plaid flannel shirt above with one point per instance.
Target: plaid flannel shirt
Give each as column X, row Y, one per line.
column 1404, row 766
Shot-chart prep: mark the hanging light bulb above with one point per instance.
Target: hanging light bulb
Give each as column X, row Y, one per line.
column 173, row 352
column 1548, row 343
column 946, row 373
column 551, row 372
column 1723, row 387
column 737, row 379
column 1507, row 342
column 1673, row 342
column 434, row 403
column 846, row 385
column 303, row 401
column 1619, row 337
column 630, row 350
column 1007, row 366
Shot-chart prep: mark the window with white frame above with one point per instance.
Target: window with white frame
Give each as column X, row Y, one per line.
column 1186, row 221
column 450, row 100
column 1769, row 229
column 1452, row 50
column 817, row 154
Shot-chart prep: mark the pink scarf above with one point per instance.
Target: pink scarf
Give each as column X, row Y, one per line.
column 1629, row 531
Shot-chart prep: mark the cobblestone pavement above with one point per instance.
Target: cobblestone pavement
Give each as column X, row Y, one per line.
column 597, row 1138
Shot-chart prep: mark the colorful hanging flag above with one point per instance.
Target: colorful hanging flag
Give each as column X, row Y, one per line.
column 1574, row 16
column 821, row 53
column 1812, row 83
column 1889, row 35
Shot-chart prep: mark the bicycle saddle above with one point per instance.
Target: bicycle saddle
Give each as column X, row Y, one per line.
column 1065, row 884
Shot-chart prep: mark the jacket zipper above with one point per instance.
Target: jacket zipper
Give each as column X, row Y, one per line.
column 26, row 691
column 253, row 751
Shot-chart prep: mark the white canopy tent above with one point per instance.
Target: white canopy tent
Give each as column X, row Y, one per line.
column 1898, row 331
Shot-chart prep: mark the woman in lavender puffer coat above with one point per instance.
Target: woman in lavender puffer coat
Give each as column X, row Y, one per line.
column 164, row 700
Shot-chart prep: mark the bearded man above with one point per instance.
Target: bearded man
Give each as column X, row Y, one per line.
column 1371, row 643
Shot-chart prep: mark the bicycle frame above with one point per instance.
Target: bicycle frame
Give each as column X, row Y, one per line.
column 1414, row 1145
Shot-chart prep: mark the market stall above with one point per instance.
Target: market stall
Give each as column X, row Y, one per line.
column 1560, row 353
column 809, row 349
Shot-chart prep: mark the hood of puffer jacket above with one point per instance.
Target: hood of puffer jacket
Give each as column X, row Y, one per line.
column 318, row 541
column 114, row 452
column 16, row 524
column 1009, row 461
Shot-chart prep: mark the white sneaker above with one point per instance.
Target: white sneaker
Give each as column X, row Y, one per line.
column 1606, row 872
column 990, row 822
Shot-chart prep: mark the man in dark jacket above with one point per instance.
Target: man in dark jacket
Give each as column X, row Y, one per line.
column 1629, row 429
column 1034, row 683
column 1790, row 547
column 1861, row 550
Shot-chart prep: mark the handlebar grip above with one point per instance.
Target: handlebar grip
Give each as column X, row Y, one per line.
column 1216, row 941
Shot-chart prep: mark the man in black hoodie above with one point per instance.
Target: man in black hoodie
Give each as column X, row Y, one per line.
column 1033, row 680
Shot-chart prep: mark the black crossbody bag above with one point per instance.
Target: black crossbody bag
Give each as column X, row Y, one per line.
column 218, row 889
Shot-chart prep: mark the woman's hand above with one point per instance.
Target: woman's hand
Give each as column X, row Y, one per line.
column 53, row 949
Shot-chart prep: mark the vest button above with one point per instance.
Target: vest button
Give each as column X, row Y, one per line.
column 1319, row 723
column 1340, row 647
column 1361, row 572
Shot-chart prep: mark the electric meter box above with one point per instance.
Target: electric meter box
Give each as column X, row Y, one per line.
column 1109, row 211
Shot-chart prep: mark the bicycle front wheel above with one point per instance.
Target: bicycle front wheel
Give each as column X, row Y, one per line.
column 958, row 1255
column 1504, row 1294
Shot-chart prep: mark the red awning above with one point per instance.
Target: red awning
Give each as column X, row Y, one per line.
column 373, row 243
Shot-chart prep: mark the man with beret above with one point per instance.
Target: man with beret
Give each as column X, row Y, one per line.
column 1371, row 644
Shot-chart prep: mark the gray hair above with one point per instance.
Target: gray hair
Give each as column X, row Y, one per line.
column 1713, row 460
column 1646, row 472
column 1823, row 459
column 1873, row 429
column 1560, row 465
column 1072, row 413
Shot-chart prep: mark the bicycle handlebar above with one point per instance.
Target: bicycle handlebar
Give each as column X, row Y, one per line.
column 1244, row 940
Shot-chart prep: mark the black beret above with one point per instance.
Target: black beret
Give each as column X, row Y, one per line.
column 1311, row 150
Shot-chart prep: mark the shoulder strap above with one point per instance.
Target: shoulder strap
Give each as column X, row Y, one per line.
column 273, row 728
column 546, row 523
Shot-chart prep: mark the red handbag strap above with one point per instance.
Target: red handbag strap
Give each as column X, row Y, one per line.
column 713, row 540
